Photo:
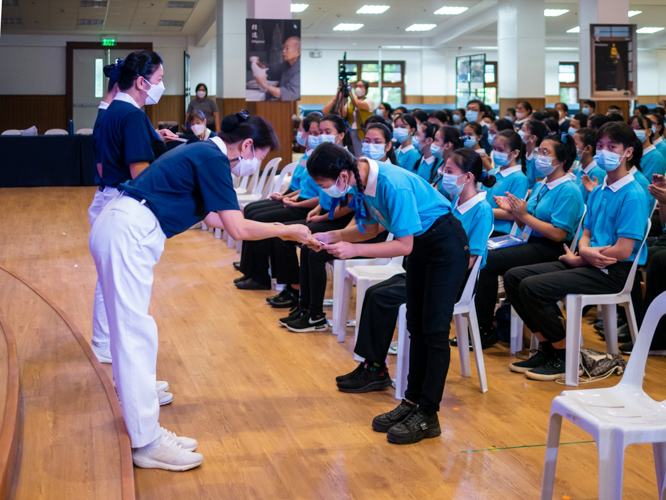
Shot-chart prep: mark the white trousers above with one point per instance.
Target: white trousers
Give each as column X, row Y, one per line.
column 100, row 323
column 126, row 242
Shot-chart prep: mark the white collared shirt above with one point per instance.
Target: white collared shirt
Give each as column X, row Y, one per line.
column 103, row 105
column 657, row 141
column 373, row 175
column 557, row 182
column 478, row 198
column 405, row 149
column 587, row 169
column 508, row 171
column 615, row 187
column 429, row 161
column 122, row 96
column 220, row 144
column 531, row 155
column 562, row 120
column 651, row 147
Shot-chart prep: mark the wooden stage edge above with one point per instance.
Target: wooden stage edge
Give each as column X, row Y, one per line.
column 10, row 423
column 126, row 465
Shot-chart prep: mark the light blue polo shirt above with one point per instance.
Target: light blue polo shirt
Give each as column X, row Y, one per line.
column 660, row 144
column 408, row 157
column 591, row 171
column 510, row 179
column 644, row 183
column 531, row 171
column 302, row 180
column 617, row 211
column 476, row 216
column 401, row 201
column 559, row 203
column 427, row 169
column 652, row 163
column 300, row 172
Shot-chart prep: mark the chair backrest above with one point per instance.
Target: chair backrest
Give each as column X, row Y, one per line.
column 288, row 169
column 633, row 375
column 269, row 169
column 254, row 179
column 630, row 279
column 574, row 242
column 56, row 131
column 11, row 132
column 84, row 131
column 468, row 291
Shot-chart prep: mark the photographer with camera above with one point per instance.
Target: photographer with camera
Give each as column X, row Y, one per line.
column 355, row 107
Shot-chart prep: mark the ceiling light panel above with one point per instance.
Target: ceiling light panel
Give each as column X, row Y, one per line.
column 91, row 22
column 348, row 27
column 633, row 13
column 421, row 27
column 649, row 30
column 165, row 22
column 554, row 12
column 451, row 11
column 373, row 9
column 299, row 7
column 181, row 5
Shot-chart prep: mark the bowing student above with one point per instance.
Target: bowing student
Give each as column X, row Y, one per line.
column 652, row 162
column 427, row 166
column 612, row 234
column 532, row 133
column 586, row 148
column 183, row 187
column 472, row 135
column 551, row 216
column 509, row 174
column 657, row 121
column 436, row 243
column 404, row 128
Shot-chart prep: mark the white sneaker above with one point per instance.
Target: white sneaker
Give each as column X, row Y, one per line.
column 164, row 397
column 103, row 353
column 188, row 444
column 165, row 453
column 162, row 386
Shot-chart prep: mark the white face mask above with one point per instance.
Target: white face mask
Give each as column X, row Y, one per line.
column 154, row 92
column 359, row 91
column 198, row 128
column 520, row 115
column 246, row 167
column 201, row 94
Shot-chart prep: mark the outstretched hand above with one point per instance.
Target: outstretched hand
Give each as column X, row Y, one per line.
column 342, row 250
column 301, row 234
column 590, row 184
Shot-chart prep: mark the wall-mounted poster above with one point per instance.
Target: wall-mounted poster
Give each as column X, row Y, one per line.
column 273, row 66
column 613, row 61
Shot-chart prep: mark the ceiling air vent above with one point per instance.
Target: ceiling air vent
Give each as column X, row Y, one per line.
column 91, row 22
column 100, row 4
column 11, row 20
column 181, row 5
column 164, row 22
column 10, row 3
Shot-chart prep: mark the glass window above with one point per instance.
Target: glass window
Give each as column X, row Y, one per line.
column 491, row 95
column 351, row 68
column 393, row 95
column 393, row 73
column 490, row 76
column 99, row 78
column 567, row 73
column 569, row 95
column 370, row 72
column 373, row 93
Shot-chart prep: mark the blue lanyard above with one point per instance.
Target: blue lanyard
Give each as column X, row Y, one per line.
column 357, row 205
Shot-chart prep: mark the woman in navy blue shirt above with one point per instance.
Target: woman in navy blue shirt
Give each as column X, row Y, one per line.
column 183, row 187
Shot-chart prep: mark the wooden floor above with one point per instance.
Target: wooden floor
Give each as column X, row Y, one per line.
column 263, row 402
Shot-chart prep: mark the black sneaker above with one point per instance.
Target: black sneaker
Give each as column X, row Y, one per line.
column 454, row 343
column 417, row 426
column 294, row 314
column 553, row 369
column 489, row 338
column 351, row 374
column 284, row 300
column 370, row 378
column 537, row 359
column 308, row 323
column 656, row 349
column 383, row 422
column 627, row 347
column 273, row 297
column 237, row 266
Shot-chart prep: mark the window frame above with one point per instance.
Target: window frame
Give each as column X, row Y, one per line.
column 568, row 85
column 359, row 65
column 491, row 85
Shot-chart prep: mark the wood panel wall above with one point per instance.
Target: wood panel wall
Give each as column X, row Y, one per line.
column 171, row 108
column 23, row 111
column 279, row 114
column 536, row 102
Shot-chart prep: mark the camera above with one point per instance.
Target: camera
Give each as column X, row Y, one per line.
column 343, row 76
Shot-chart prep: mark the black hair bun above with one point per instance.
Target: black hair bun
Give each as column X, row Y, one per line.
column 230, row 123
column 114, row 71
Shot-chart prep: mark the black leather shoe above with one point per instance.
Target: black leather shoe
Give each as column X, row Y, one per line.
column 250, row 284
column 383, row 422
column 237, row 266
column 242, row 278
column 417, row 426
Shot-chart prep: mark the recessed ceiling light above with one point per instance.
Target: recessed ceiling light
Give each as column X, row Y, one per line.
column 180, row 5
column 91, row 22
column 648, row 30
column 554, row 12
column 11, row 20
column 451, row 11
column 633, row 13
column 574, row 30
column 347, row 27
column 299, row 7
column 421, row 27
column 373, row 9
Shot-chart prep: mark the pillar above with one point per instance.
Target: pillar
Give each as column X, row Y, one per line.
column 521, row 51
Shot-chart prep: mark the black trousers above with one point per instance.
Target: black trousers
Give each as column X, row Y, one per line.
column 436, row 270
column 655, row 284
column 535, row 251
column 313, row 276
column 255, row 254
column 257, row 207
column 284, row 261
column 534, row 291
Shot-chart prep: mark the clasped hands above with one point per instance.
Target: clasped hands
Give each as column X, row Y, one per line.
column 512, row 204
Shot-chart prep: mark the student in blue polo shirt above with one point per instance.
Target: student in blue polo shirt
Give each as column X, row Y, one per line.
column 426, row 230
column 552, row 215
column 447, row 140
column 586, row 147
column 509, row 172
column 652, row 162
column 613, row 231
column 427, row 166
column 404, row 127
column 184, row 186
column 463, row 170
column 657, row 121
column 532, row 133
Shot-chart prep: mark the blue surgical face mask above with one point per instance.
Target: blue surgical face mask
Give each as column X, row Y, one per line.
column 436, row 151
column 544, row 164
column 501, row 159
column 640, row 134
column 450, row 184
column 335, row 192
column 379, row 112
column 299, row 138
column 654, row 129
column 416, row 142
column 607, row 160
column 571, row 131
column 469, row 142
column 456, row 118
column 374, row 151
column 313, row 141
column 491, row 139
column 579, row 155
column 522, row 135
column 508, row 117
column 586, row 111
column 472, row 116
column 400, row 134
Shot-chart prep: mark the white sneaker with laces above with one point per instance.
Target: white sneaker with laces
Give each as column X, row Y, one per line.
column 165, row 453
column 188, row 444
column 103, row 353
column 164, row 397
column 162, row 386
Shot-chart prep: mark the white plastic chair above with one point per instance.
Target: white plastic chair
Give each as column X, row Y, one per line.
column 276, row 185
column 517, row 324
column 608, row 302
column 464, row 315
column 11, row 132
column 56, row 131
column 615, row 417
column 84, row 131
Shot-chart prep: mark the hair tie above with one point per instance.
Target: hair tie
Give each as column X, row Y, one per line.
column 120, row 63
column 483, row 176
column 243, row 114
column 564, row 137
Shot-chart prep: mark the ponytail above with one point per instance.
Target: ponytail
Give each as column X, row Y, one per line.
column 468, row 160
column 241, row 126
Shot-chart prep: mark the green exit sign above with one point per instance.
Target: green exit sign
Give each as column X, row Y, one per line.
column 109, row 42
